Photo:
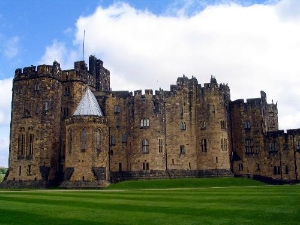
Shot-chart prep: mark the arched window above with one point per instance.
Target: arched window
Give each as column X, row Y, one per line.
column 204, row 145
column 37, row 86
column 31, row 138
column 83, row 140
column 97, row 142
column 145, row 146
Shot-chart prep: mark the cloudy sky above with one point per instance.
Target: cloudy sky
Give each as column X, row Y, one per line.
column 252, row 45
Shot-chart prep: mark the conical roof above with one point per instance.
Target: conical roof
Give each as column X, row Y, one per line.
column 88, row 105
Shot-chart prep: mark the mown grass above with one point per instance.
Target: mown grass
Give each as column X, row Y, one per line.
column 184, row 183
column 232, row 204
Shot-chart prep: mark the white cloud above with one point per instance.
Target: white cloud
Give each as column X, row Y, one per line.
column 12, row 47
column 250, row 47
column 5, row 100
column 58, row 51
column 5, row 104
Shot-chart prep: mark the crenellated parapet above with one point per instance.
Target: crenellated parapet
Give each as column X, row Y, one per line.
column 30, row 72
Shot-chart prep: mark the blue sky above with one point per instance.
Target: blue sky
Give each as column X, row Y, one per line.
column 252, row 45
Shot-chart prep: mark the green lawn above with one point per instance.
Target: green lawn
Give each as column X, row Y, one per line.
column 220, row 204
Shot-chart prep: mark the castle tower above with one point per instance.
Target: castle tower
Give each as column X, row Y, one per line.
column 34, row 144
column 213, row 128
column 87, row 135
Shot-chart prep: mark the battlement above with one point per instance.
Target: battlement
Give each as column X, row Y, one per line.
column 41, row 70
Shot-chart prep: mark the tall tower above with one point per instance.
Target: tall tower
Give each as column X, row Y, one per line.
column 35, row 123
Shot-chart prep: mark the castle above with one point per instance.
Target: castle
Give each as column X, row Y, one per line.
column 70, row 129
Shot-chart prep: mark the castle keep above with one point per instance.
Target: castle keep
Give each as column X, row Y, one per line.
column 69, row 128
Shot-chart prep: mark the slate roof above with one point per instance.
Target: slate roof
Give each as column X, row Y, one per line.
column 88, row 105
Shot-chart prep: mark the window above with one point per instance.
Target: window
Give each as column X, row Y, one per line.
column 124, row 138
column 66, row 112
column 241, row 167
column 21, row 144
column 97, row 141
column 223, row 124
column 145, row 166
column 160, row 145
column 272, row 147
column 120, row 167
column 145, row 123
column 117, row 109
column 182, row 149
column 247, row 125
column 67, row 91
column 204, row 145
column 29, row 170
column 223, row 144
column 258, row 167
column 216, row 159
column 20, row 170
column 286, row 169
column 30, row 147
column 46, row 106
column 112, row 140
column 145, row 146
column 182, row 125
column 37, row 86
column 276, row 170
column 202, row 125
column 83, row 140
column 249, row 146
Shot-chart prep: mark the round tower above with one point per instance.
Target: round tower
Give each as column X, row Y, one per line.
column 86, row 155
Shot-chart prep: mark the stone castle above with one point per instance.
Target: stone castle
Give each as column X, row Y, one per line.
column 69, row 128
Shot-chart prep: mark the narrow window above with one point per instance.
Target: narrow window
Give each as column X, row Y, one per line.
column 46, row 107
column 145, row 146
column 120, row 167
column 182, row 149
column 204, row 145
column 36, row 86
column 29, row 170
column 286, row 169
column 182, row 125
column 117, row 109
column 202, row 125
column 160, row 145
column 83, row 140
column 216, row 159
column 20, row 170
column 247, row 125
column 112, row 140
column 31, row 138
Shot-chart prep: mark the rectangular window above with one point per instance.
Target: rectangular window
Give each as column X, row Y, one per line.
column 117, row 109
column 241, row 167
column 145, row 166
column 124, row 138
column 182, row 125
column 145, row 123
column 112, row 140
column 204, row 145
column 249, row 147
column 145, row 146
column 182, row 149
column 160, row 145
